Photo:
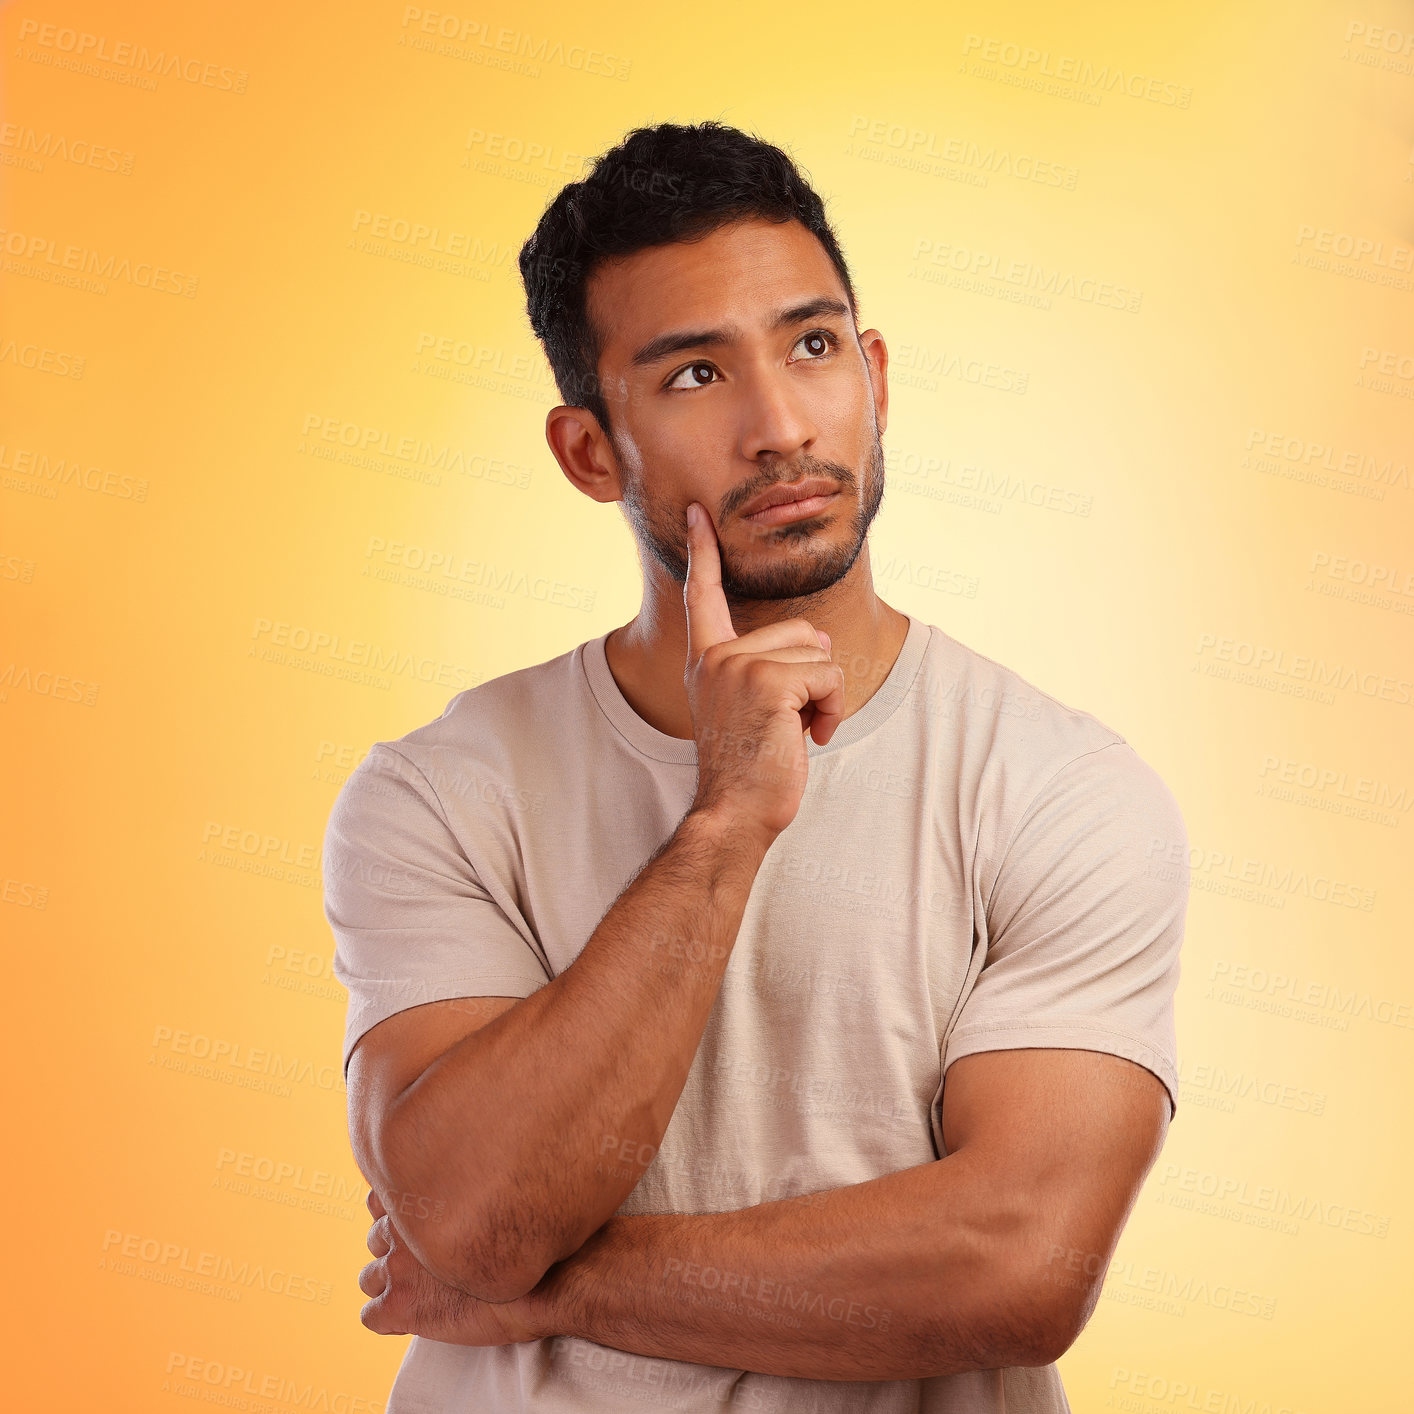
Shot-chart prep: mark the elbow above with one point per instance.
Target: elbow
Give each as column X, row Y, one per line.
column 502, row 1252
column 504, row 1249
column 487, row 1263
column 1051, row 1326
column 471, row 1235
column 1024, row 1308
column 1032, row 1320
column 496, row 1282
column 1029, row 1336
column 1050, row 1345
column 1043, row 1291
column 478, row 1225
column 492, row 1252
column 488, row 1256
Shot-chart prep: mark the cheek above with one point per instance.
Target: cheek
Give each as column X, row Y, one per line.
column 843, row 433
column 673, row 467
column 628, row 451
column 653, row 451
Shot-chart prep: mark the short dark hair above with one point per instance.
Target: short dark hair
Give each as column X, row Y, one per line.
column 659, row 185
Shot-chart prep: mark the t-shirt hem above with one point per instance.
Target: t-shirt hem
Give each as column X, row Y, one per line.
column 364, row 1015
column 1070, row 1035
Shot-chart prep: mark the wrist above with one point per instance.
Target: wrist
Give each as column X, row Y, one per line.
column 540, row 1309
column 723, row 828
column 557, row 1305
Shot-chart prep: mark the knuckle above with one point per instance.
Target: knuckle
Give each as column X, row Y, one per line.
column 735, row 668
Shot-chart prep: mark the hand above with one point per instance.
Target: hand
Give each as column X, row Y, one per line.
column 753, row 698
column 409, row 1300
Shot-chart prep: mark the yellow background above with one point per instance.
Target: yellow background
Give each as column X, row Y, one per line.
column 1214, row 478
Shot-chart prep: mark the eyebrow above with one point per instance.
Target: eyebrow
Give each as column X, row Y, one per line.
column 665, row 345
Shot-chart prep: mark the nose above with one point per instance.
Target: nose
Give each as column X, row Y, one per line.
column 775, row 419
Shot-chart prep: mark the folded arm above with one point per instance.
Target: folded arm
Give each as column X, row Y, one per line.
column 868, row 1284
column 484, row 1123
column 991, row 1256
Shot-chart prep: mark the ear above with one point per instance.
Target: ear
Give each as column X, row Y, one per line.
column 584, row 452
column 876, row 355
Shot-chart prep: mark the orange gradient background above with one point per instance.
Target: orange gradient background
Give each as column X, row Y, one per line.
column 1148, row 284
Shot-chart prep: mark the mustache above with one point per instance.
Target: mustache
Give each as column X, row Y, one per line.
column 784, row 476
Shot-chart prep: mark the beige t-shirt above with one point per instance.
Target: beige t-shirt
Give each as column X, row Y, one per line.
column 974, row 866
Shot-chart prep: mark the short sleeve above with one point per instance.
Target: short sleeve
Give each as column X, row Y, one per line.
column 412, row 923
column 1085, row 920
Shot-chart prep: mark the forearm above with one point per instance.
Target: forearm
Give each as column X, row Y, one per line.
column 913, row 1274
column 530, row 1132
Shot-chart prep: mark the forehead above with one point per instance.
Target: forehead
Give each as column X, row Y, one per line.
column 739, row 274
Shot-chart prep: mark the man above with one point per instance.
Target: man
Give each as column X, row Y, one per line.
column 767, row 1004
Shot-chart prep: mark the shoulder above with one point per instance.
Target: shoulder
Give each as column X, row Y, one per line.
column 988, row 704
column 1020, row 748
column 487, row 746
column 519, row 699
column 501, row 724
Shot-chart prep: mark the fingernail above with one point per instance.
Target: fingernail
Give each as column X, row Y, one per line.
column 693, row 513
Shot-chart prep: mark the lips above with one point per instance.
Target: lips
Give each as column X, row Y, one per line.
column 781, row 495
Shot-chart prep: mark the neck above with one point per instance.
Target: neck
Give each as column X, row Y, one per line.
column 647, row 655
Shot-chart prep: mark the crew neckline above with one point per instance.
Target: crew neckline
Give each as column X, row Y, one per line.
column 659, row 746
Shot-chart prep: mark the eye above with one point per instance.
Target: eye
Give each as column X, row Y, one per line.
column 691, row 368
column 819, row 336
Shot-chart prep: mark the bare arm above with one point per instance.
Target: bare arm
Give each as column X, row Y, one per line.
column 992, row 1256
column 517, row 1141
column 898, row 1278
column 523, row 1137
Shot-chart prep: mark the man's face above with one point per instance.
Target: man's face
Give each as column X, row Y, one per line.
column 730, row 365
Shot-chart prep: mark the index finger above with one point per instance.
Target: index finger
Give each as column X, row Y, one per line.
column 709, row 620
